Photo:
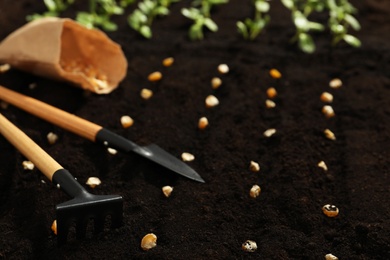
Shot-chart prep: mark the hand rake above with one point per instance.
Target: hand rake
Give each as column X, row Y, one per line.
column 83, row 206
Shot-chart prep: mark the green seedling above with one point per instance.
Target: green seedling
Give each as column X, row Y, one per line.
column 98, row 15
column 142, row 18
column 300, row 12
column 201, row 15
column 100, row 12
column 54, row 8
column 251, row 28
column 340, row 20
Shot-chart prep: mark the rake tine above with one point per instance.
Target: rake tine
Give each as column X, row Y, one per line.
column 81, row 228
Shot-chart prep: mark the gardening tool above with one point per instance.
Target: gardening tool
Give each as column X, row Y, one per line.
column 83, row 206
column 96, row 133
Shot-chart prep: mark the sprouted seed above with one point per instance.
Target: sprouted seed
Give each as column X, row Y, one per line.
column 5, row 67
column 271, row 92
column 211, row 101
column 167, row 62
column 54, row 227
column 93, row 182
column 254, row 166
column 223, row 68
column 149, row 241
column 335, row 83
column 155, row 76
column 331, row 257
column 52, row 138
column 329, row 134
column 126, row 121
column 28, row 165
column 187, row 157
column 270, row 104
column 269, row 132
column 249, row 246
column 112, row 151
column 322, row 165
column 146, row 93
column 330, row 210
column 328, row 111
column 167, row 190
column 326, row 97
column 274, row 73
column 216, row 82
column 203, row 123
column 255, row 191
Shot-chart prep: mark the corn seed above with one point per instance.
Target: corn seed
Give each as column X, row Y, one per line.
column 269, row 132
column 211, row 101
column 112, row 151
column 167, row 62
column 249, row 246
column 331, row 257
column 155, row 76
column 275, row 74
column 270, row 104
column 27, row 165
column 335, row 83
column 326, row 97
column 203, row 123
column 216, row 82
column 254, row 166
column 146, row 93
column 52, row 138
column 149, row 241
column 93, row 182
column 330, row 210
column 167, row 190
column 126, row 121
column 54, row 227
column 322, row 165
column 328, row 111
column 4, row 68
column 255, row 191
column 329, row 134
column 271, row 92
column 223, row 68
column 187, row 157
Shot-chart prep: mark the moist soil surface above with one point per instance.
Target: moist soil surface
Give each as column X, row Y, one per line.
column 211, row 220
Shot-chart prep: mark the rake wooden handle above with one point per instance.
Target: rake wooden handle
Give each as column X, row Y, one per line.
column 51, row 114
column 46, row 164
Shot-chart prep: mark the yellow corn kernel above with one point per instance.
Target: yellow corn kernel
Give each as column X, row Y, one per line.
column 167, row 62
column 274, row 73
column 155, row 76
column 149, row 241
column 126, row 121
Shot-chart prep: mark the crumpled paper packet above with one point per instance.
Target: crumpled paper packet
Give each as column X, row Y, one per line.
column 61, row 49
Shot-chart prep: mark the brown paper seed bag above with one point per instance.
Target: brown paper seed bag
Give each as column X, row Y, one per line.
column 62, row 49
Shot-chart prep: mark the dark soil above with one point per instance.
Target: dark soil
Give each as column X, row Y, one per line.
column 212, row 220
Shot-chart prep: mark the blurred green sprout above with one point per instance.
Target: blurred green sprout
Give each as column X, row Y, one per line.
column 200, row 13
column 251, row 28
column 142, row 18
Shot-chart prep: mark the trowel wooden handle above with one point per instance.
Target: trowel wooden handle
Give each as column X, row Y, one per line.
column 46, row 164
column 51, row 114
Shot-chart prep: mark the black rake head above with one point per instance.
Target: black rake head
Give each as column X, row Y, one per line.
column 83, row 208
column 78, row 212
